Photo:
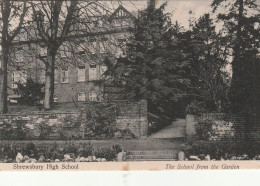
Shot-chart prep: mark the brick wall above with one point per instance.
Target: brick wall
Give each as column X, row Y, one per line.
column 130, row 115
column 223, row 125
column 133, row 116
column 31, row 124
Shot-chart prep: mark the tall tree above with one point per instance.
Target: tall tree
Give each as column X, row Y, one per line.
column 54, row 20
column 154, row 66
column 240, row 20
column 209, row 80
column 11, row 11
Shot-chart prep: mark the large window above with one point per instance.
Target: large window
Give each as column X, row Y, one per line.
column 65, row 75
column 92, row 72
column 81, row 96
column 81, row 73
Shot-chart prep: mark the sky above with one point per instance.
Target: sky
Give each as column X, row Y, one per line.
column 178, row 8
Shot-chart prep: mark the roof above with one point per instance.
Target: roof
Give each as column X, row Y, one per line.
column 113, row 15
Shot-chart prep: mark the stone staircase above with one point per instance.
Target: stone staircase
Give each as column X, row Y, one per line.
column 159, row 155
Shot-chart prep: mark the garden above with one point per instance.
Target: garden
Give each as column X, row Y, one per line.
column 67, row 151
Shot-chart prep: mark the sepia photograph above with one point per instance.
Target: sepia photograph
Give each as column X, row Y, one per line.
column 168, row 82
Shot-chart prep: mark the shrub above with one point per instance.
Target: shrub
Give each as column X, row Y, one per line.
column 85, row 150
column 45, row 130
column 196, row 108
column 204, row 129
column 109, row 153
column 30, row 92
column 99, row 120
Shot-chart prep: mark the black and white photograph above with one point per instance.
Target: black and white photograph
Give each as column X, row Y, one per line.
column 129, row 81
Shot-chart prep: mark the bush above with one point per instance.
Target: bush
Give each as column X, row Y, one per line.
column 224, row 148
column 45, row 130
column 16, row 132
column 99, row 120
column 204, row 129
column 109, row 153
column 30, row 92
column 53, row 151
column 196, row 108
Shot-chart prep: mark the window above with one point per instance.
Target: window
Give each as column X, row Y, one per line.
column 42, row 52
column 65, row 75
column 93, row 45
column 92, row 72
column 55, row 99
column 92, row 96
column 15, row 79
column 81, row 96
column 64, row 52
column 103, row 43
column 81, row 73
column 103, row 69
column 19, row 57
column 56, row 76
column 81, row 47
column 18, row 76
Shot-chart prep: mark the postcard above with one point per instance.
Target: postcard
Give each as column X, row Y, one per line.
column 129, row 85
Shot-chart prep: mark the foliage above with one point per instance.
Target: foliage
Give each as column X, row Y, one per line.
column 54, row 151
column 30, row 92
column 209, row 79
column 204, row 129
column 224, row 148
column 155, row 66
column 99, row 120
column 156, row 123
column 45, row 131
column 108, row 152
column 14, row 132
column 241, row 24
column 11, row 11
column 196, row 107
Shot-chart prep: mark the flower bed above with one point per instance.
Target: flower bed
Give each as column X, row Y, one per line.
column 68, row 152
column 228, row 149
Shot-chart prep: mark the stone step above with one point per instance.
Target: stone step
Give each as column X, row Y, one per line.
column 163, row 155
column 166, row 139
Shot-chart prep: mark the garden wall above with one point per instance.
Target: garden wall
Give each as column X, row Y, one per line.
column 223, row 125
column 132, row 116
column 66, row 125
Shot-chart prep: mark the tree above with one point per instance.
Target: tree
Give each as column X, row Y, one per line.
column 240, row 21
column 54, row 20
column 209, row 80
column 11, row 11
column 154, row 67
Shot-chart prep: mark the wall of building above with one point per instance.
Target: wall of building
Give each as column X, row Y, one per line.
column 27, row 49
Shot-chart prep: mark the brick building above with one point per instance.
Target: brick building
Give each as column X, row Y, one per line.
column 80, row 60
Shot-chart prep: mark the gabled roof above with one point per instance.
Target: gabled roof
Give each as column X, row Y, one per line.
column 113, row 15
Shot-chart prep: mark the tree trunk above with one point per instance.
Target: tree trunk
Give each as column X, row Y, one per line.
column 3, row 80
column 49, row 78
column 237, row 67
